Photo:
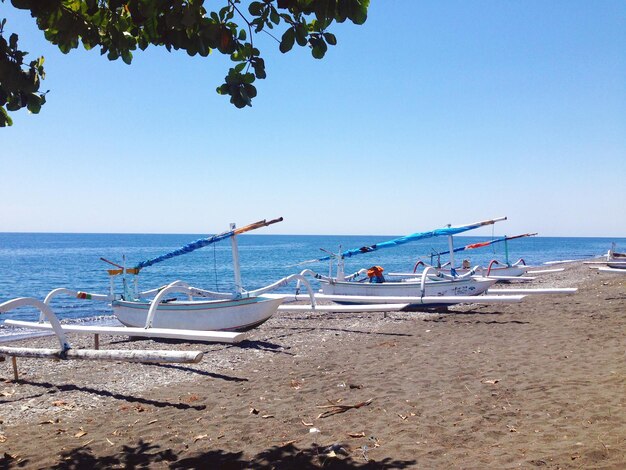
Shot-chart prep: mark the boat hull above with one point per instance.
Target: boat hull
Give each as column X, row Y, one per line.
column 505, row 271
column 212, row 315
column 409, row 288
column 616, row 260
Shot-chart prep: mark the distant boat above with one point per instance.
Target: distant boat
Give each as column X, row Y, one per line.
column 615, row 260
column 496, row 269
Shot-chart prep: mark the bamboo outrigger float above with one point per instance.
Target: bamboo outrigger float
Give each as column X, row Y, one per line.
column 66, row 352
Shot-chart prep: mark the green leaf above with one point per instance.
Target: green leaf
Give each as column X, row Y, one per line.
column 248, row 78
column 286, row 43
column 14, row 103
column 259, row 67
column 301, row 34
column 274, row 17
column 255, row 8
column 34, row 103
column 357, row 11
column 322, row 10
column 330, row 39
column 5, row 120
column 127, row 57
column 319, row 48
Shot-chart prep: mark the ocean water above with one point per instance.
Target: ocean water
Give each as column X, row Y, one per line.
column 32, row 264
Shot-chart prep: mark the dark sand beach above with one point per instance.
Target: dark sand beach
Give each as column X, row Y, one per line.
column 539, row 384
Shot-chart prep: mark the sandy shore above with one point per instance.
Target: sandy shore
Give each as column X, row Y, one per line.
column 536, row 384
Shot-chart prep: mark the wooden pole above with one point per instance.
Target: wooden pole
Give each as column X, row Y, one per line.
column 14, row 361
column 236, row 267
column 96, row 341
column 136, row 355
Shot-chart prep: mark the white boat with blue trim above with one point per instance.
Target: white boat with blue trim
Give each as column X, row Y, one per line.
column 200, row 309
column 430, row 283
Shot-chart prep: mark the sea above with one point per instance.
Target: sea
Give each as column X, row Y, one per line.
column 32, row 264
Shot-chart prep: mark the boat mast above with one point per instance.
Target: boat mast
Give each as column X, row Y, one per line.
column 236, row 268
column 506, row 251
column 451, row 248
column 340, row 266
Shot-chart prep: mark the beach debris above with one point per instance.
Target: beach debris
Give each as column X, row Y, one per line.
column 3, row 438
column 267, row 416
column 336, row 408
column 110, row 441
column 296, row 384
column 306, row 424
column 314, row 431
column 511, row 428
column 7, row 393
column 356, row 434
column 334, row 449
column 48, row 422
column 80, row 433
column 356, row 386
column 491, row 382
column 254, row 411
column 402, row 417
column 153, row 421
column 61, row 404
column 200, row 437
column 191, row 398
column 88, row 442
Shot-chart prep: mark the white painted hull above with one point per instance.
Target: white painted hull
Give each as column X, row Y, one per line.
column 616, row 260
column 410, row 288
column 504, row 271
column 201, row 315
column 617, row 263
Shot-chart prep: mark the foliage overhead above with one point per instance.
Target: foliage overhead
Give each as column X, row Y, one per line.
column 119, row 27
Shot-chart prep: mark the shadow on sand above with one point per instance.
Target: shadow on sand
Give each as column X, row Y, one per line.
column 146, row 455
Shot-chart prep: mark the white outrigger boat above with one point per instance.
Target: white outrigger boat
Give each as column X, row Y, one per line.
column 504, row 271
column 614, row 261
column 428, row 284
column 202, row 309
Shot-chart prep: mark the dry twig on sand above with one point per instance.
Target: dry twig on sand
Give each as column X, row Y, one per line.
column 336, row 409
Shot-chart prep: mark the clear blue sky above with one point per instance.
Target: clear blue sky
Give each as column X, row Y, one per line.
column 433, row 112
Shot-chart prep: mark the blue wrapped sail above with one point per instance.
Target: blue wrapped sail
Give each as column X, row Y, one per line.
column 188, row 248
column 446, row 231
column 202, row 242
